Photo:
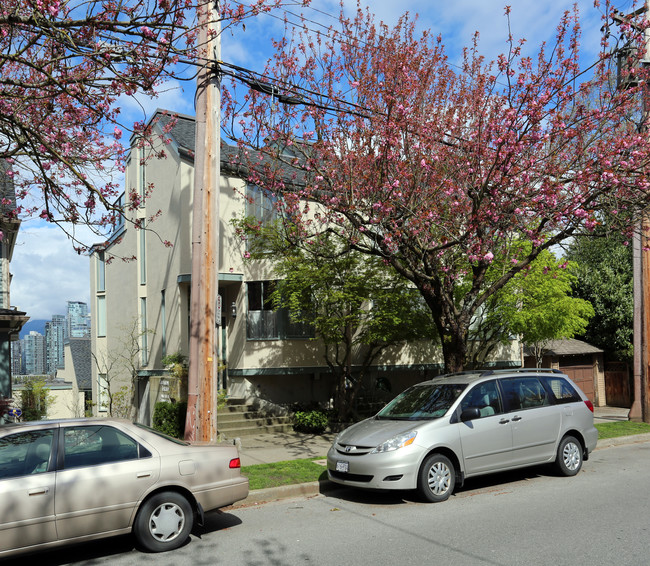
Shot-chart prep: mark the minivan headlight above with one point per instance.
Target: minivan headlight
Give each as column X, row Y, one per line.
column 396, row 442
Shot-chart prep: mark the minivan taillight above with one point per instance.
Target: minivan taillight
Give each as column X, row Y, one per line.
column 590, row 405
column 236, row 462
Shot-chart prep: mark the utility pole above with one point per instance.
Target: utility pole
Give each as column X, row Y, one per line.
column 640, row 410
column 201, row 421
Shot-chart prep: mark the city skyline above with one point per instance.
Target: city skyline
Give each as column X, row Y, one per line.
column 43, row 353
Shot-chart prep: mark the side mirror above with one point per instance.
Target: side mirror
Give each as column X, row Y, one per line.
column 470, row 414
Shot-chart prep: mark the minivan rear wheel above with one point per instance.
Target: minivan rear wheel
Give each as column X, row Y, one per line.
column 436, row 479
column 569, row 456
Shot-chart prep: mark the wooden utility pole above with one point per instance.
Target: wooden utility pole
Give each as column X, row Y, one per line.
column 201, row 421
column 640, row 410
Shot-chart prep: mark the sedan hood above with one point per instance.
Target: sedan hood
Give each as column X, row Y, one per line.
column 372, row 432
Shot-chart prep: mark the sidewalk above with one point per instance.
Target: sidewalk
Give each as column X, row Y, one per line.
column 268, row 448
column 609, row 414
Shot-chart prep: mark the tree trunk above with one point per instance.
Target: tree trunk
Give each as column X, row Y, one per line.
column 454, row 349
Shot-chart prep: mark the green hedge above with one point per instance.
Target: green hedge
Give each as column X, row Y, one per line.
column 312, row 422
column 169, row 418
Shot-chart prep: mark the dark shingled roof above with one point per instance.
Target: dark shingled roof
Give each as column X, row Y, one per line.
column 569, row 347
column 183, row 134
column 82, row 362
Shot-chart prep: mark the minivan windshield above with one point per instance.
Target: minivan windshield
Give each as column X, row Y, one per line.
column 422, row 402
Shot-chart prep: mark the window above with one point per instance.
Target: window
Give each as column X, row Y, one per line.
column 101, row 271
column 524, row 393
column 261, row 204
column 120, row 220
column 561, row 390
column 484, row 397
column 163, row 321
column 102, row 393
column 101, row 316
column 266, row 323
column 93, row 445
column 144, row 343
column 422, row 402
column 25, row 453
column 142, row 186
column 262, row 319
column 143, row 256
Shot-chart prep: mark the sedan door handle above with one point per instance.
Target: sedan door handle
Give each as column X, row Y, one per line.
column 143, row 474
column 516, row 419
column 504, row 421
column 38, row 491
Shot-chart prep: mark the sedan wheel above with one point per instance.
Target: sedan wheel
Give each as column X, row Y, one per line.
column 163, row 522
column 437, row 478
column 569, row 456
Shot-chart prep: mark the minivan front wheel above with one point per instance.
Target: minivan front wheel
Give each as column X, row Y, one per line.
column 569, row 456
column 437, row 478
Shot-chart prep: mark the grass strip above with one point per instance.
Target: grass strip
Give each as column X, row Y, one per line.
column 621, row 428
column 262, row 476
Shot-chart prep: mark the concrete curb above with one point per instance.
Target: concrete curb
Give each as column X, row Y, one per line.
column 261, row 496
column 311, row 489
column 633, row 439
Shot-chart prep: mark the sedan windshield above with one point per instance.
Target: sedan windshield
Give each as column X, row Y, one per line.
column 422, row 402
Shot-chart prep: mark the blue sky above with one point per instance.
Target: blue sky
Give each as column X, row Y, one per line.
column 47, row 272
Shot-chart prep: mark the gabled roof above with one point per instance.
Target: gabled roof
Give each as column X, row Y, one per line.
column 568, row 347
column 182, row 133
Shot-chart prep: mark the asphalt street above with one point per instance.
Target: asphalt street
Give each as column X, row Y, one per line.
column 531, row 517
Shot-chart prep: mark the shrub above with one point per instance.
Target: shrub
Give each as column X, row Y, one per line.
column 312, row 422
column 35, row 398
column 169, row 418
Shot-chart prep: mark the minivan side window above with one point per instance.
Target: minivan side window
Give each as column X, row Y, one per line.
column 484, row 397
column 524, row 393
column 561, row 390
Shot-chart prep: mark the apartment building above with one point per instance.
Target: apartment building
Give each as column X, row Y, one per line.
column 11, row 319
column 141, row 293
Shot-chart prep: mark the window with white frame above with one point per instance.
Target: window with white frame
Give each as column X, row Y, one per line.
column 144, row 342
column 102, row 393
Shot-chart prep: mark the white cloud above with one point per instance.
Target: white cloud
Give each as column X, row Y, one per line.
column 47, row 272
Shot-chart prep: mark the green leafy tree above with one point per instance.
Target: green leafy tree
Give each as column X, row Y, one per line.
column 538, row 304
column 34, row 399
column 604, row 278
column 358, row 305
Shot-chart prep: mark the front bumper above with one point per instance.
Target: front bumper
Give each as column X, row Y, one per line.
column 389, row 470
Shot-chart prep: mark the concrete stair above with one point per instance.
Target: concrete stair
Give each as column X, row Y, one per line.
column 238, row 419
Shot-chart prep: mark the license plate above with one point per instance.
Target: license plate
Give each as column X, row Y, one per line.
column 342, row 466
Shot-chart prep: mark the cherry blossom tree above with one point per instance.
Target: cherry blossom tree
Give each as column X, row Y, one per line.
column 64, row 64
column 439, row 168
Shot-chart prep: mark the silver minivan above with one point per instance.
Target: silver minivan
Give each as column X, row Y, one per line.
column 437, row 433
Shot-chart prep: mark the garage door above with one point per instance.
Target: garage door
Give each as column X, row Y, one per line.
column 583, row 377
